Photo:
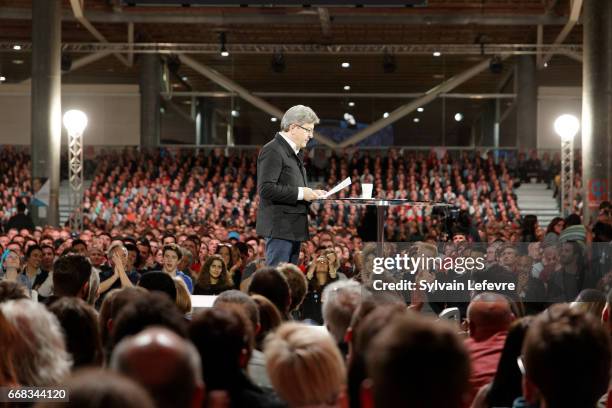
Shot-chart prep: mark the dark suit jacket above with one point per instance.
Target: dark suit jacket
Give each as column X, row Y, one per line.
column 279, row 174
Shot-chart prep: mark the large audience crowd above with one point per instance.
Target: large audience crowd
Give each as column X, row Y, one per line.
column 111, row 314
column 162, row 188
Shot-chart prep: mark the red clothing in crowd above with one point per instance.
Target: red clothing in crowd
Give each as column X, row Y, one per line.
column 484, row 357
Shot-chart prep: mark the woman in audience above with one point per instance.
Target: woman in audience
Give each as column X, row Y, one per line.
column 320, row 274
column 213, row 278
column 269, row 319
column 305, row 367
column 10, row 264
column 183, row 299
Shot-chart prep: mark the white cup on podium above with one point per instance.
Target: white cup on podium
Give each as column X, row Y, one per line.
column 366, row 190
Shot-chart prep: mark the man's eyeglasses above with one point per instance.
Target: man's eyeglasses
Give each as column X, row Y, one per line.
column 311, row 131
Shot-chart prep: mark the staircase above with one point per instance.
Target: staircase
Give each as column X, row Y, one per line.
column 65, row 207
column 534, row 198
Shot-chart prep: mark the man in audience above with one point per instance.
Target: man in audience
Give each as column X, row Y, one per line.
column 340, row 300
column 150, row 309
column 566, row 359
column 41, row 359
column 94, row 388
column 224, row 337
column 416, row 362
column 257, row 363
column 489, row 317
column 71, row 277
column 166, row 365
column 270, row 283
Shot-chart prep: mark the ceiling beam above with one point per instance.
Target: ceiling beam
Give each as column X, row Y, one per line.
column 249, row 16
column 575, row 9
column 344, row 95
column 429, row 96
column 243, row 93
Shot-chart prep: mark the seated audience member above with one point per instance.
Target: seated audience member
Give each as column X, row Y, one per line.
column 80, row 323
column 489, row 317
column 297, row 286
column 12, row 291
column 9, row 341
column 340, row 300
column 367, row 321
column 41, row 359
column 116, row 275
column 566, row 283
column 95, row 388
column 166, row 365
column 320, row 274
column 10, row 265
column 224, row 338
column 172, row 254
column 441, row 365
column 566, row 359
column 112, row 305
column 257, row 363
column 151, row 309
column 272, row 284
column 305, row 366
column 183, row 298
column 159, row 282
column 591, row 301
column 71, row 274
column 506, row 385
column 213, row 278
column 33, row 274
column 269, row 319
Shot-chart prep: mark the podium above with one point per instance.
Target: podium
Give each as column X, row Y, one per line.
column 381, row 208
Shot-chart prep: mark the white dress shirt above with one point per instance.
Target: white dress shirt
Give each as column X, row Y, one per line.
column 296, row 149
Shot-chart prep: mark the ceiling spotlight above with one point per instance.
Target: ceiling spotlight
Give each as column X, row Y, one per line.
column 416, row 120
column 235, row 113
column 458, row 117
column 386, row 115
column 351, row 104
column 17, row 47
column 2, row 78
column 437, row 53
column 347, row 87
column 273, row 119
column 546, row 65
column 350, row 119
column 346, row 65
column 184, row 78
column 389, row 65
column 420, row 109
column 224, row 51
column 17, row 61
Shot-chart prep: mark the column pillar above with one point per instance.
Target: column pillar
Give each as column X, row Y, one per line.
column 46, row 117
column 526, row 102
column 150, row 88
column 596, row 106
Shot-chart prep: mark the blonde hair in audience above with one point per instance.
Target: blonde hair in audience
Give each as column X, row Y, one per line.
column 305, row 366
column 183, row 299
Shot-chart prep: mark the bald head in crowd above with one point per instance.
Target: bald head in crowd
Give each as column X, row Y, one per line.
column 488, row 314
column 165, row 364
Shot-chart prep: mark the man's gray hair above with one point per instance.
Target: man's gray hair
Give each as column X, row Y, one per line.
column 43, row 360
column 299, row 115
column 340, row 300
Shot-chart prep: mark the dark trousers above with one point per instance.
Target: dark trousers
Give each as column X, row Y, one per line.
column 282, row 250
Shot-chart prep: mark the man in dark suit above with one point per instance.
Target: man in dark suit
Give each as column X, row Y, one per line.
column 282, row 185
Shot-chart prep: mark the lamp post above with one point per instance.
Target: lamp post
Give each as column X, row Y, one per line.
column 567, row 127
column 75, row 123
